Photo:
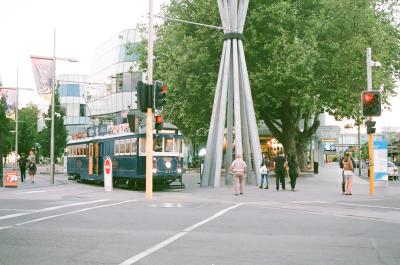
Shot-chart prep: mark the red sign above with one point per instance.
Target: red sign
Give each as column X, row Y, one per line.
column 11, row 179
column 107, row 166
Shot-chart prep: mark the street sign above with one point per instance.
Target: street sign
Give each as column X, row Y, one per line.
column 11, row 180
column 380, row 160
column 108, row 185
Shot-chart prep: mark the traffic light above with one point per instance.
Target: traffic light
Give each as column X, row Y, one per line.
column 370, row 127
column 159, row 123
column 144, row 96
column 371, row 103
column 160, row 92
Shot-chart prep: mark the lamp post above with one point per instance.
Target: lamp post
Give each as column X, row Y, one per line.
column 54, row 59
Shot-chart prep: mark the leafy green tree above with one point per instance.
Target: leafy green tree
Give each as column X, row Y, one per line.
column 60, row 132
column 27, row 132
column 304, row 58
column 6, row 137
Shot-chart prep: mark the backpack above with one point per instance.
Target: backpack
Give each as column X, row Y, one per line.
column 341, row 163
column 31, row 166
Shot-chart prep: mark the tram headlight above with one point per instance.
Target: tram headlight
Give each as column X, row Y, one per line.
column 168, row 164
column 179, row 170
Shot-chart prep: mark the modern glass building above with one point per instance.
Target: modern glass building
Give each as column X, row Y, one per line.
column 72, row 90
column 111, row 89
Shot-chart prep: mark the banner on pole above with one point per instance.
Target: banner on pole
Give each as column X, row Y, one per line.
column 43, row 73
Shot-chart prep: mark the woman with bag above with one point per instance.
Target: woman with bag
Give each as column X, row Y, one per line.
column 293, row 171
column 264, row 172
column 348, row 173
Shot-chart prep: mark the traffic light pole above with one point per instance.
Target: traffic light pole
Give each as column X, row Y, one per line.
column 149, row 118
column 371, row 135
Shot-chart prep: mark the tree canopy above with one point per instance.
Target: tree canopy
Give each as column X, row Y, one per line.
column 304, row 57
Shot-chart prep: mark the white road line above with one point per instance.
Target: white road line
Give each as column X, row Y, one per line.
column 73, row 212
column 370, row 206
column 4, row 227
column 173, row 238
column 38, row 191
column 49, row 209
column 14, row 209
column 345, row 203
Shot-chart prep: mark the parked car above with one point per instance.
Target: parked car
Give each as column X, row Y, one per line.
column 393, row 172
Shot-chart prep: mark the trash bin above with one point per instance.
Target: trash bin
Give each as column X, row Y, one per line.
column 315, row 167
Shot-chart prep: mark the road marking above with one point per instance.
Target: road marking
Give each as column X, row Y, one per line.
column 49, row 209
column 19, row 210
column 173, row 238
column 370, row 206
column 73, row 212
column 38, row 191
column 4, row 227
column 345, row 203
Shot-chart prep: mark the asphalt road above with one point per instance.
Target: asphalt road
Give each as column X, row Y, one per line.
column 72, row 223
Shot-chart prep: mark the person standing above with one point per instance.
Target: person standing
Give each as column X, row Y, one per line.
column 239, row 170
column 341, row 166
column 22, row 166
column 32, row 166
column 279, row 165
column 293, row 171
column 348, row 172
column 264, row 171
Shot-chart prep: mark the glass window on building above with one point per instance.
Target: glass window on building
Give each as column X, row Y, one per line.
column 82, row 110
column 119, row 82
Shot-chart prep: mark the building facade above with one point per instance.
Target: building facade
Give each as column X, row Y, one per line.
column 111, row 89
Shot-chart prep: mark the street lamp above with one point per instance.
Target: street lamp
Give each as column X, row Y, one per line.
column 54, row 59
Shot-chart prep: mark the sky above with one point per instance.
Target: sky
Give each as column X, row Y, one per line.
column 27, row 26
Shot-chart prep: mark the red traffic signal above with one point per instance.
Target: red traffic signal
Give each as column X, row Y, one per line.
column 371, row 103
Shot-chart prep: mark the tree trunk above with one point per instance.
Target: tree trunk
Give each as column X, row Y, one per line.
column 301, row 153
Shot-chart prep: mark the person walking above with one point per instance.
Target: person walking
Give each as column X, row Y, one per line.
column 239, row 170
column 341, row 166
column 348, row 173
column 293, row 171
column 22, row 166
column 279, row 165
column 32, row 166
column 264, row 171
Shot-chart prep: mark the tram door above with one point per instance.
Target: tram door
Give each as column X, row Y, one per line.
column 90, row 159
column 96, row 158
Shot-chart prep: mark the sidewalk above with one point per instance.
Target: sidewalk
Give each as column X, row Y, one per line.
column 325, row 186
column 42, row 179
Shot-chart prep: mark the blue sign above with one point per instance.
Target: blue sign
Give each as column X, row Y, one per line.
column 380, row 160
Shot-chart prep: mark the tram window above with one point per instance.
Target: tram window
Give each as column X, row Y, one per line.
column 178, row 146
column 158, row 144
column 116, row 147
column 169, row 144
column 133, row 146
column 127, row 146
column 122, row 147
column 142, row 145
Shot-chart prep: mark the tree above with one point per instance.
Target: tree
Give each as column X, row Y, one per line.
column 27, row 133
column 60, row 132
column 304, row 58
column 6, row 137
